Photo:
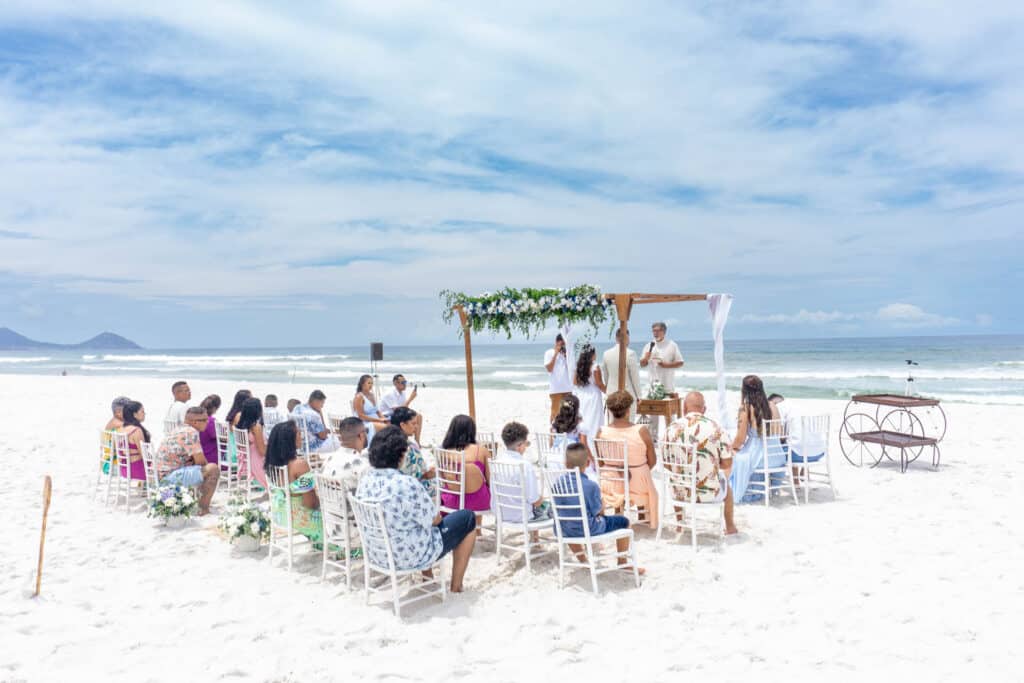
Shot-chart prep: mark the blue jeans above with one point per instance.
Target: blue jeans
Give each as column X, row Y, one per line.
column 190, row 475
column 454, row 528
column 615, row 522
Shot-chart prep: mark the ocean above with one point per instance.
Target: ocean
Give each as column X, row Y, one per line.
column 972, row 369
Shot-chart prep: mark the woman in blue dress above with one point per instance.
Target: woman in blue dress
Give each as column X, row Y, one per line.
column 749, row 444
column 364, row 407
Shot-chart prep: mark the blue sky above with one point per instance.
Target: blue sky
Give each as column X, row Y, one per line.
column 257, row 174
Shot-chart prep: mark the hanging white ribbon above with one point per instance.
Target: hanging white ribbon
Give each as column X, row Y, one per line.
column 719, row 305
column 570, row 349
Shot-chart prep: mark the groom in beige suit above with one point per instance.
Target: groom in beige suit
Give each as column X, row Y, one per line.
column 610, row 371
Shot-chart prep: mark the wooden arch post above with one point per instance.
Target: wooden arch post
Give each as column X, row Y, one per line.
column 466, row 331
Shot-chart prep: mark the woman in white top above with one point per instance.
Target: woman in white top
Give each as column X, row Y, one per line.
column 365, row 409
column 589, row 389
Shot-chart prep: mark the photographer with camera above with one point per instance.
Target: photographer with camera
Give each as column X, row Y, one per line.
column 559, row 379
column 399, row 397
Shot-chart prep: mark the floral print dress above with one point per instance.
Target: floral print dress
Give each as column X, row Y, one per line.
column 305, row 521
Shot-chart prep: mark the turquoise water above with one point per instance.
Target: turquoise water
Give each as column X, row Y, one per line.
column 966, row 369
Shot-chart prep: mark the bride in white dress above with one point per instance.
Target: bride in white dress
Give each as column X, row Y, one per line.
column 589, row 389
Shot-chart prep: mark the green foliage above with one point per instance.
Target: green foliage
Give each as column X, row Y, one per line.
column 530, row 311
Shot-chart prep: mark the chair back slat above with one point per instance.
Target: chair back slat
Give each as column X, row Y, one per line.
column 487, row 440
column 680, row 470
column 333, row 496
column 508, row 491
column 149, row 463
column 451, row 467
column 551, row 449
column 373, row 531
column 613, row 464
column 567, row 502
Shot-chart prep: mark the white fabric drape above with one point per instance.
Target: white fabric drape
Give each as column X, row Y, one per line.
column 719, row 305
column 570, row 350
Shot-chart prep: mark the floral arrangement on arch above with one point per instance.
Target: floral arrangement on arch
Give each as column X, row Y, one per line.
column 172, row 501
column 529, row 311
column 241, row 518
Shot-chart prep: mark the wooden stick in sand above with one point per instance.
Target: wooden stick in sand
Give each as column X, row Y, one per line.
column 47, row 488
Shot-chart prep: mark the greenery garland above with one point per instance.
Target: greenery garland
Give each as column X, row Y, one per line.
column 530, row 311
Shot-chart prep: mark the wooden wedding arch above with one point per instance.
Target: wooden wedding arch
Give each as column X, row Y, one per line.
column 623, row 303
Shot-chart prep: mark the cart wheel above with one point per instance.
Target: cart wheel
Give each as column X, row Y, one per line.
column 934, row 420
column 902, row 421
column 857, row 451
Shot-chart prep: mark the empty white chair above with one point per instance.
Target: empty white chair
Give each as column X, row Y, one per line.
column 487, row 440
column 170, row 426
column 338, row 525
column 243, row 463
column 379, row 561
column 550, row 449
column 680, row 509
column 775, row 471
column 149, row 463
column 568, row 505
column 613, row 466
column 512, row 512
column 809, row 454
column 282, row 534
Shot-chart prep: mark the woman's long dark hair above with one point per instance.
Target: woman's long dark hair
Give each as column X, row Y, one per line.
column 236, row 407
column 281, row 446
column 252, row 412
column 568, row 417
column 583, row 365
column 754, row 400
column 211, row 404
column 129, row 419
column 361, row 382
column 461, row 433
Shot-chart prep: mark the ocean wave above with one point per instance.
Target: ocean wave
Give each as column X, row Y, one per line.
column 35, row 359
column 868, row 373
column 1010, row 362
column 169, row 358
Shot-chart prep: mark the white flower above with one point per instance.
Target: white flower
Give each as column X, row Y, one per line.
column 187, row 499
column 254, row 529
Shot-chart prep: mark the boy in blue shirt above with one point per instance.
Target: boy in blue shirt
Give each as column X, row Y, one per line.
column 576, row 457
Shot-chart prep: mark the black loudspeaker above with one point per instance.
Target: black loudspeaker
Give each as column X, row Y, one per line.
column 376, row 351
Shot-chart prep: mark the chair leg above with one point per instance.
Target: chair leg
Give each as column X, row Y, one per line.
column 632, row 559
column 394, row 588
column 593, row 568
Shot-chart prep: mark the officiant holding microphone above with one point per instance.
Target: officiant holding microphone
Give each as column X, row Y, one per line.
column 661, row 358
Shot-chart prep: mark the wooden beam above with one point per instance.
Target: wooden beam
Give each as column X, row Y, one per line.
column 466, row 332
column 624, row 308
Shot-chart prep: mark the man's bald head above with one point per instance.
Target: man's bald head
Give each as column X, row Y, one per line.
column 694, row 403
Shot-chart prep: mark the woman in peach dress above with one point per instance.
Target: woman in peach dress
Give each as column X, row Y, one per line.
column 641, row 458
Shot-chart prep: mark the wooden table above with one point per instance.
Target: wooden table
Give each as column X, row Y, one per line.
column 666, row 407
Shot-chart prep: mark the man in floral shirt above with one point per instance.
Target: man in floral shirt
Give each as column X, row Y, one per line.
column 180, row 460
column 419, row 536
column 714, row 458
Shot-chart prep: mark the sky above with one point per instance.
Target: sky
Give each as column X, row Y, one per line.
column 247, row 174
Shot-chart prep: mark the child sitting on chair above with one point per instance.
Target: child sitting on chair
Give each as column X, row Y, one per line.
column 516, row 438
column 576, row 458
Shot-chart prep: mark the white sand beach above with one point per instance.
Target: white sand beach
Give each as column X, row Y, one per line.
column 915, row 575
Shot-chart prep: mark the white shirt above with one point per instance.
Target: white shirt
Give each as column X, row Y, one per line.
column 346, row 464
column 177, row 412
column 668, row 352
column 395, row 399
column 558, row 381
column 531, row 486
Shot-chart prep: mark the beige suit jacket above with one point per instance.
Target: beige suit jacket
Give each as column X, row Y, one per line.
column 610, row 371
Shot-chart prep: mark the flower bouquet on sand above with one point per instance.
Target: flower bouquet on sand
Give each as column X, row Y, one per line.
column 245, row 524
column 174, row 504
column 656, row 391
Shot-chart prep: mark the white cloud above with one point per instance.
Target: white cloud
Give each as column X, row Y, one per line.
column 894, row 314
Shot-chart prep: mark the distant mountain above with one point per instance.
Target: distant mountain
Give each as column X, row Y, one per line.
column 107, row 341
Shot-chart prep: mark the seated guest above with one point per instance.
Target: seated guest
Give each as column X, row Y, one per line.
column 117, row 419
column 364, row 407
column 516, row 438
column 132, row 417
column 311, row 416
column 301, row 502
column 748, row 446
column 182, row 395
column 566, row 425
column 292, row 402
column 348, row 462
column 597, row 521
column 641, row 458
column 180, row 461
column 714, row 459
column 399, row 397
column 414, row 464
column 231, row 419
column 272, row 415
column 208, row 436
column 461, row 437
column 251, row 420
column 419, row 536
